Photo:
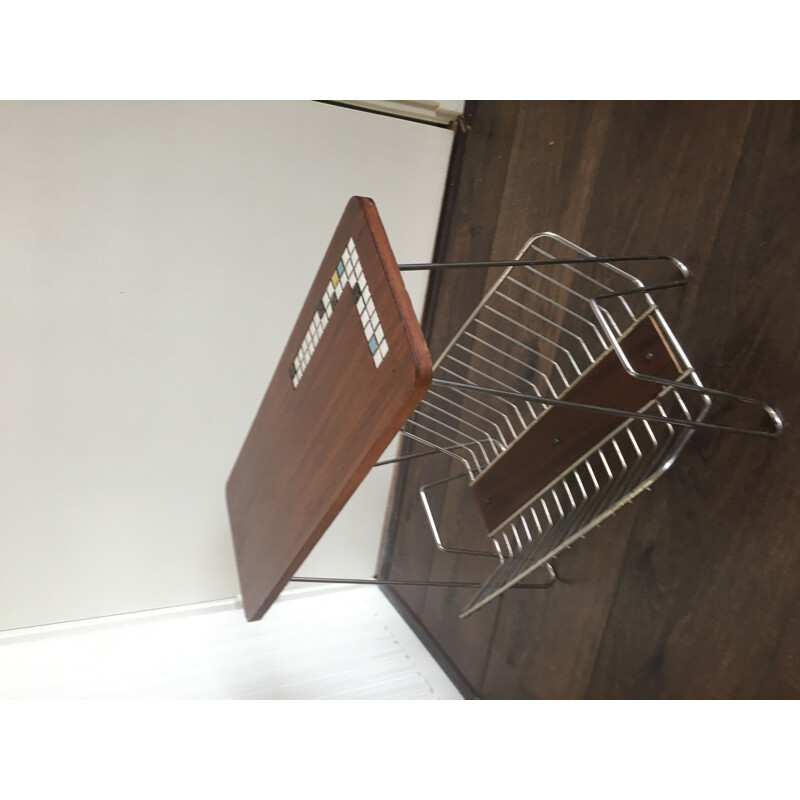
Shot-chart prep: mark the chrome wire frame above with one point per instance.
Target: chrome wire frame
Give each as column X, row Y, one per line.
column 545, row 321
column 551, row 575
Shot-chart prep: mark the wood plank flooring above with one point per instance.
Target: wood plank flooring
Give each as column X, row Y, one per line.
column 692, row 591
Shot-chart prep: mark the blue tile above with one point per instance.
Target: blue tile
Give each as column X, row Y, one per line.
column 340, row 268
column 373, row 344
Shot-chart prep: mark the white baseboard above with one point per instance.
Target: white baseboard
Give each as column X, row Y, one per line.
column 319, row 642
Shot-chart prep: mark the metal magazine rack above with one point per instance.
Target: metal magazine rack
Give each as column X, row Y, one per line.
column 563, row 396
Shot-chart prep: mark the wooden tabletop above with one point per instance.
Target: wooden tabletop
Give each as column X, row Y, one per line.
column 354, row 368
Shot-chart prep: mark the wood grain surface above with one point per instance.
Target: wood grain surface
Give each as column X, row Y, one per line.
column 310, row 447
column 561, row 436
column 692, row 591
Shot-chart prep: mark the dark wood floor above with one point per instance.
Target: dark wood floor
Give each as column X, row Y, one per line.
column 692, row 591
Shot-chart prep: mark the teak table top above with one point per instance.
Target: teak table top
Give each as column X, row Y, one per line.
column 355, row 367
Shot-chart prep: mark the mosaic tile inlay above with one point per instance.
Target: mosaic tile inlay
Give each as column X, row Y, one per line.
column 348, row 272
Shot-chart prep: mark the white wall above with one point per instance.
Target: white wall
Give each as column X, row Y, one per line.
column 154, row 257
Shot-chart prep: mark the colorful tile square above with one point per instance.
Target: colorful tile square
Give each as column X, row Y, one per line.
column 348, row 272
